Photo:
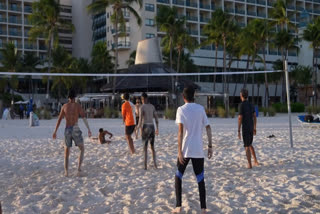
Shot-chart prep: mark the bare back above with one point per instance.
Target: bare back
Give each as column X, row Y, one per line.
column 71, row 112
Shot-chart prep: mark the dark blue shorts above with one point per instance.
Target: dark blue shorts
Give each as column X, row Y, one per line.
column 247, row 138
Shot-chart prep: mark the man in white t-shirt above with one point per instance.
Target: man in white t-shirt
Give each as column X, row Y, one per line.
column 191, row 119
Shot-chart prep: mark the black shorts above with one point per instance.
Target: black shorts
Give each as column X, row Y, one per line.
column 247, row 138
column 148, row 131
column 129, row 129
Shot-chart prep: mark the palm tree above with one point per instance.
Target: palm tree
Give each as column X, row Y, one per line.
column 118, row 6
column 213, row 37
column 46, row 23
column 276, row 76
column 302, row 76
column 10, row 62
column 29, row 62
column 312, row 35
column 132, row 58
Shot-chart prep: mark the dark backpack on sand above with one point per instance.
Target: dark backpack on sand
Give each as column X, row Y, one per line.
column 308, row 118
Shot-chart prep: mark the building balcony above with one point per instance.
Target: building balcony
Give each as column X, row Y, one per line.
column 178, row 2
column 3, row 6
column 42, row 48
column 18, row 45
column 27, row 9
column 15, row 21
column 15, row 8
column 263, row 15
column 309, row 10
column 193, row 32
column 3, row 33
column 192, row 18
column 163, row 1
column 121, row 31
column 205, row 6
column 317, row 1
column 30, row 46
column 204, row 19
column 27, row 22
column 251, row 13
column 261, row 2
column 191, row 4
column 292, row 53
column 240, row 0
column 291, row 7
column 229, row 10
column 207, row 47
column 239, row 11
column 300, row 8
column 241, row 24
column 3, row 20
column 251, row 1
column 15, row 33
column 270, row 3
column 316, row 11
column 122, row 45
column 126, row 15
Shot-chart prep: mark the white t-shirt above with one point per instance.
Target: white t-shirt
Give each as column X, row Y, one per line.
column 194, row 119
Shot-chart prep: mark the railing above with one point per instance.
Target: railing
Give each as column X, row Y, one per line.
column 229, row 10
column 191, row 4
column 309, row 10
column 15, row 20
column 291, row 7
column 261, row 2
column 252, row 13
column 251, row 1
column 113, row 31
column 300, row 8
column 241, row 24
column 263, row 15
column 126, row 14
column 163, row 1
column 14, row 8
column 273, row 52
column 207, row 47
column 3, row 19
column 18, row 46
column 204, row 19
column 192, row 18
column 15, row 33
column 122, row 45
column 178, row 2
column 316, row 11
column 3, row 32
column 29, row 46
column 270, row 3
column 291, row 53
column 240, row 0
column 205, row 6
column 318, row 1
column 193, row 32
column 239, row 11
column 27, row 22
column 3, row 6
column 42, row 47
column 27, row 9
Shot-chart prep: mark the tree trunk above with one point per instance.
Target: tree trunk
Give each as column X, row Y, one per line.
column 236, row 86
column 116, row 53
column 245, row 75
column 252, row 79
column 224, row 64
column 266, row 80
column 215, row 68
column 172, row 78
column 283, row 78
column 49, row 64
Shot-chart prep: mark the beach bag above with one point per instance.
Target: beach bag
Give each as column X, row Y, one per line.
column 308, row 118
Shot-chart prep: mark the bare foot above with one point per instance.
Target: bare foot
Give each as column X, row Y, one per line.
column 256, row 163
column 249, row 166
column 79, row 173
column 176, row 210
column 155, row 166
column 66, row 173
column 203, row 211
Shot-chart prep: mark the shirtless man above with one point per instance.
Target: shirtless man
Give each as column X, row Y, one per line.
column 147, row 113
column 101, row 138
column 71, row 112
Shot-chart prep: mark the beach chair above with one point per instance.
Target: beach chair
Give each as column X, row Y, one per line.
column 306, row 124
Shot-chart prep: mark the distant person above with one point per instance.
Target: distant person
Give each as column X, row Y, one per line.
column 147, row 113
column 129, row 119
column 191, row 119
column 71, row 111
column 248, row 120
column 137, row 106
column 21, row 111
column 101, row 138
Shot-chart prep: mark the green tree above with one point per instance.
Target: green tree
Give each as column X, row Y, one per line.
column 132, row 58
column 312, row 35
column 213, row 38
column 276, row 76
column 10, row 62
column 117, row 17
column 302, row 76
column 46, row 22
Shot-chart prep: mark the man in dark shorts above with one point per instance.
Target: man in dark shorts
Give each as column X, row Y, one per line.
column 247, row 118
column 147, row 113
column 71, row 112
column 129, row 119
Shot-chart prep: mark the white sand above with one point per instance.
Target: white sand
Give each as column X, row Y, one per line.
column 32, row 181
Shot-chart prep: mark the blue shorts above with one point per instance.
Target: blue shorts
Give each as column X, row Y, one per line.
column 73, row 133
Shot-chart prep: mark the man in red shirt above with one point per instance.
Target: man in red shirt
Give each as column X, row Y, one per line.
column 129, row 119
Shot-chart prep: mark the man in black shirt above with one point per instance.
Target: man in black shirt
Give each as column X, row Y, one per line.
column 247, row 118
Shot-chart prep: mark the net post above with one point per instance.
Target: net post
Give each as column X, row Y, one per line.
column 288, row 100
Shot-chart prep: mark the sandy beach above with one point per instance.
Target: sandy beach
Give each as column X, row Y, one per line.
column 113, row 181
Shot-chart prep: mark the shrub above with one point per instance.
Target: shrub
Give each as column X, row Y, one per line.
column 297, row 107
column 210, row 112
column 43, row 114
column 232, row 112
column 170, row 114
column 309, row 109
column 280, row 107
column 221, row 112
column 108, row 112
column 272, row 111
column 264, row 110
column 115, row 113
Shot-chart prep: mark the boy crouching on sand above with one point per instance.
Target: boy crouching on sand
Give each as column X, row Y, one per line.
column 101, row 137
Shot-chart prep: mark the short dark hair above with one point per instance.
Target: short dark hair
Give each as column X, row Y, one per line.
column 244, row 93
column 188, row 93
column 144, row 95
column 72, row 94
column 101, row 130
column 126, row 96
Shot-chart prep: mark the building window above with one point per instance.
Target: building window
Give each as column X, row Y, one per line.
column 149, row 35
column 107, row 15
column 149, row 22
column 149, row 7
